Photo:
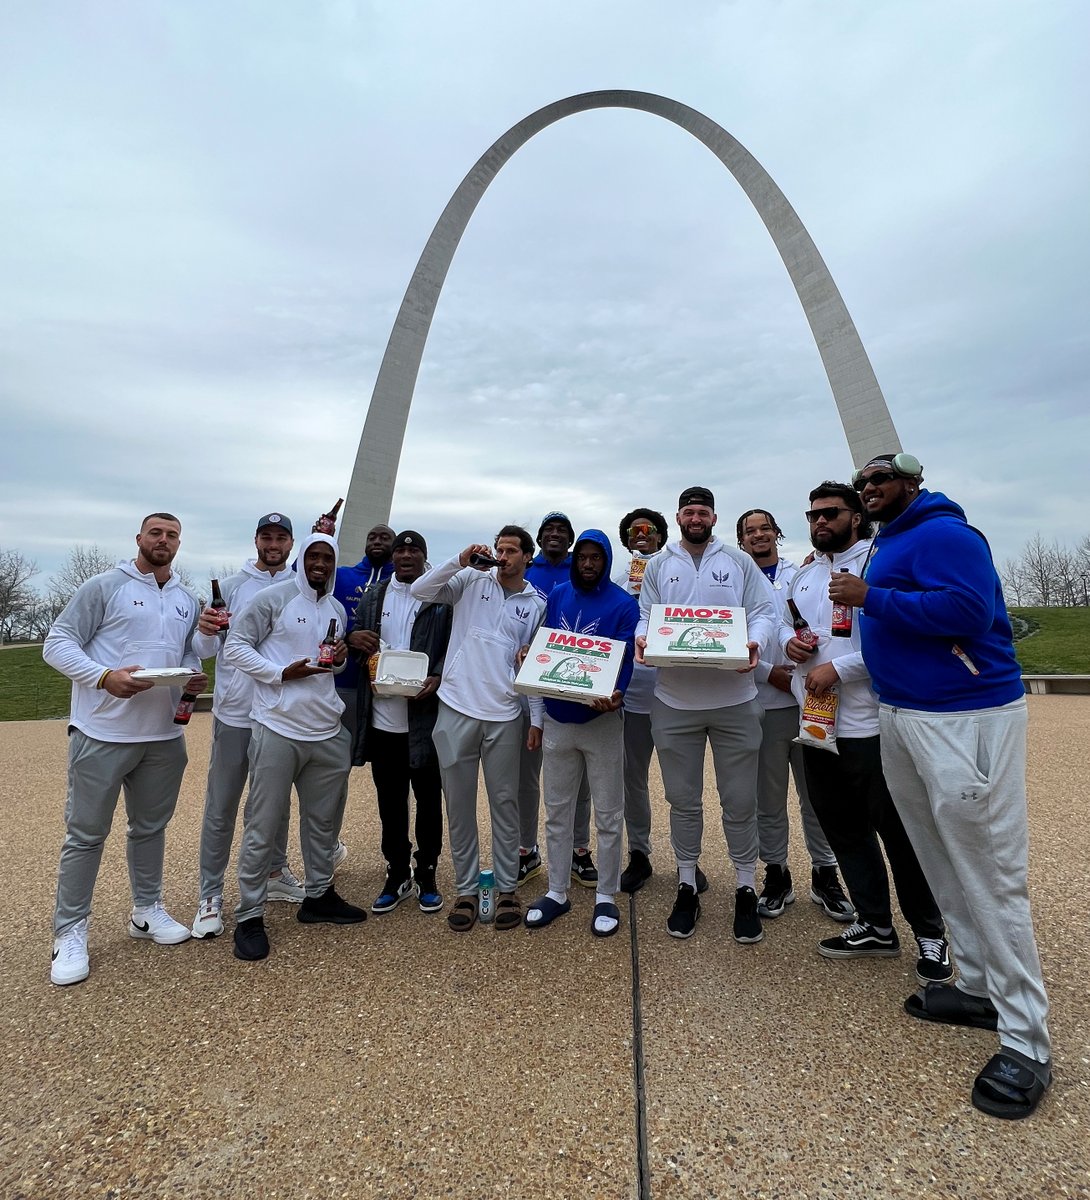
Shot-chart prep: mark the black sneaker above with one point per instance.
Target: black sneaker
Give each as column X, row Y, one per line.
column 529, row 866
column 583, row 869
column 330, row 909
column 861, row 941
column 681, row 923
column 393, row 892
column 747, row 921
column 825, row 890
column 933, row 965
column 251, row 940
column 637, row 873
column 777, row 892
column 429, row 897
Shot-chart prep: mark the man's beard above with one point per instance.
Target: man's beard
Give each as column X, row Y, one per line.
column 697, row 538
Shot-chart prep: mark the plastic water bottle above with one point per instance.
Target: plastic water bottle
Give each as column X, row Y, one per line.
column 486, row 903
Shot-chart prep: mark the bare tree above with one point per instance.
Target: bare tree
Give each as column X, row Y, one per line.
column 17, row 597
column 1010, row 573
column 82, row 563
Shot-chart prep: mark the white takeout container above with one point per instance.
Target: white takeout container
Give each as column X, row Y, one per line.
column 165, row 676
column 696, row 635
column 562, row 665
column 400, row 673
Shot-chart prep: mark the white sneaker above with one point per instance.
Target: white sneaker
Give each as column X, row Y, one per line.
column 339, row 855
column 70, row 963
column 207, row 923
column 285, row 886
column 156, row 923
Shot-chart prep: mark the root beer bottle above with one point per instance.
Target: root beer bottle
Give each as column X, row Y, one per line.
column 327, row 522
column 842, row 616
column 802, row 627
column 326, row 649
column 220, row 605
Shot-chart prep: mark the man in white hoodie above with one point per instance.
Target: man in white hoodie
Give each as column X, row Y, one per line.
column 297, row 739
column 228, row 764
column 759, row 536
column 479, row 727
column 697, row 705
column 847, row 789
column 122, row 735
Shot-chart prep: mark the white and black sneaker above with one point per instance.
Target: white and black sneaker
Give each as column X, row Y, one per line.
column 208, row 922
column 155, row 924
column 70, row 961
column 825, row 890
column 777, row 892
column 933, row 965
column 861, row 940
column 747, row 920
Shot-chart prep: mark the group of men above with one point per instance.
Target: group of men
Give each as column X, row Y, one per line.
column 927, row 762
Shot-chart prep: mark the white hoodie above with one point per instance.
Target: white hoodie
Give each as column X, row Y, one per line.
column 120, row 618
column 725, row 577
column 857, row 712
column 281, row 625
column 490, row 626
column 233, row 697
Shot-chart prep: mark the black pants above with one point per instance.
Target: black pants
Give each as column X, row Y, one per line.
column 392, row 775
column 849, row 794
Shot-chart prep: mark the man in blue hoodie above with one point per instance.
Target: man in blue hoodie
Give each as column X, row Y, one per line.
column 579, row 738
column 936, row 639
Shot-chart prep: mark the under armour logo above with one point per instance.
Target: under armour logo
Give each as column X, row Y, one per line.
column 385, row 614
column 674, row 579
column 140, row 602
column 805, row 587
column 300, row 620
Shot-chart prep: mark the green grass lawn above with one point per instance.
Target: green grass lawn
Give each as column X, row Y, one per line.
column 31, row 691
column 1058, row 643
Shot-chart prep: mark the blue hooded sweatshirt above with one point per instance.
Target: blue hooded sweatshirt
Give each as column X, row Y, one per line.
column 604, row 610
column 545, row 575
column 934, row 588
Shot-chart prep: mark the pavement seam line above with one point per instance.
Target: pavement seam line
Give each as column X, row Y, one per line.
column 643, row 1167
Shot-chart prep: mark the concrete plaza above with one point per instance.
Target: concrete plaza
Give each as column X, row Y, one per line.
column 396, row 1059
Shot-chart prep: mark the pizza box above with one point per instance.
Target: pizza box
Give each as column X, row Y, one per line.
column 165, row 676
column 562, row 665
column 400, row 673
column 693, row 635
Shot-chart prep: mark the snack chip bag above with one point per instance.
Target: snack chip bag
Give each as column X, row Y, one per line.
column 817, row 720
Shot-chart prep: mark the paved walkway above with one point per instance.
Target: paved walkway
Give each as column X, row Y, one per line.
column 395, row 1059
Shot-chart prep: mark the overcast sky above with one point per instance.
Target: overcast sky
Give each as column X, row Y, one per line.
column 211, row 211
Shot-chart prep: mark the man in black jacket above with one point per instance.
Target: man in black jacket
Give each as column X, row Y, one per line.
column 393, row 733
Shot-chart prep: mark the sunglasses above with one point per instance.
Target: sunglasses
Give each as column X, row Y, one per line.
column 878, row 478
column 830, row 514
column 643, row 527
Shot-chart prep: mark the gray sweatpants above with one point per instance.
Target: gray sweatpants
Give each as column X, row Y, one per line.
column 573, row 752
column 464, row 745
column 319, row 771
column 639, row 745
column 735, row 737
column 349, row 698
column 228, row 767
column 959, row 783
column 779, row 750
column 150, row 773
column 530, row 798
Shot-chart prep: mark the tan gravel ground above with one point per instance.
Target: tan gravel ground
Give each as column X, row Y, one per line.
column 396, row 1059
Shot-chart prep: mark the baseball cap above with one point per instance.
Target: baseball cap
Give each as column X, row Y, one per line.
column 276, row 519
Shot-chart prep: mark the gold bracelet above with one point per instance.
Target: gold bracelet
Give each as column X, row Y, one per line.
column 102, row 679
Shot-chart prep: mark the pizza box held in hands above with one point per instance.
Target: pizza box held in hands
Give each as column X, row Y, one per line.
column 694, row 635
column 562, row 665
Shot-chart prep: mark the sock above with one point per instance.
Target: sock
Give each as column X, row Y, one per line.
column 883, row 930
column 747, row 876
column 687, row 875
column 602, row 898
column 559, row 897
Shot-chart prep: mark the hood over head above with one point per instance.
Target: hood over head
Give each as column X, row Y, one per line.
column 300, row 573
column 599, row 539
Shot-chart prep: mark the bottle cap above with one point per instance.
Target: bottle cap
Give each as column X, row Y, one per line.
column 488, row 879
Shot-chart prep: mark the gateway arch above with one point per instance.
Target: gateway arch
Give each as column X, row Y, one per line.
column 859, row 400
